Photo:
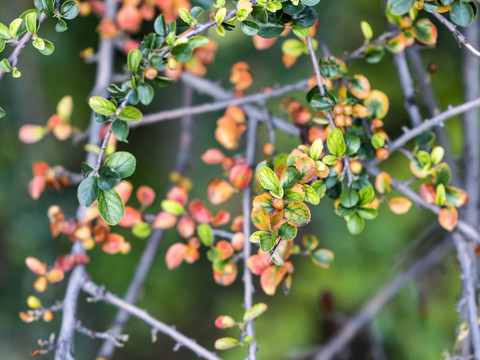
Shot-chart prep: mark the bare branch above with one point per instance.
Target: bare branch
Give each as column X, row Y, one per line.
column 375, row 304
column 461, row 39
column 117, row 340
column 100, row 294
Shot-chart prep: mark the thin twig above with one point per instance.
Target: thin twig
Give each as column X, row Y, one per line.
column 100, row 294
column 358, row 53
column 375, row 304
column 13, row 58
column 461, row 39
column 116, row 340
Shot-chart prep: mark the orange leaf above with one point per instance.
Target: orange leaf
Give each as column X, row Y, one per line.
column 221, row 218
column 240, row 175
column 186, row 227
column 40, row 284
column 399, row 205
column 145, row 196
column 258, row 263
column 225, row 249
column 262, row 43
column 178, row 194
column 227, row 276
column 383, row 182
column 224, row 321
column 199, row 213
column 131, row 217
column 213, row 156
column 55, row 275
column 428, row 192
column 175, row 255
column 237, row 223
column 192, row 254
column 36, row 266
column 36, row 186
column 271, row 278
column 115, row 243
column 124, row 189
column 219, row 191
column 62, row 131
column 238, row 240
column 260, row 219
column 448, row 218
column 165, row 220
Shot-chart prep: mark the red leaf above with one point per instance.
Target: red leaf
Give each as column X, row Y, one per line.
column 221, row 218
column 165, row 220
column 219, row 191
column 259, row 262
column 271, row 278
column 227, row 276
column 240, row 175
column 175, row 255
column 225, row 249
column 186, row 227
column 178, row 194
column 213, row 156
column 145, row 196
column 237, row 223
column 224, row 321
column 124, row 189
column 448, row 218
column 238, row 240
column 131, row 217
column 428, row 192
column 36, row 186
column 198, row 212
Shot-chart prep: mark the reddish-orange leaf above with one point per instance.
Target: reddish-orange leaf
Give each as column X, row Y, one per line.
column 448, row 218
column 359, row 86
column 307, row 168
column 192, row 254
column 238, row 240
column 129, row 18
column 131, row 217
column 40, row 284
column 36, row 186
column 124, row 189
column 30, row 134
column 259, row 262
column 224, row 321
column 145, row 196
column 115, row 243
column 219, row 191
column 213, row 156
column 399, row 205
column 199, row 213
column 62, row 131
column 297, row 213
column 227, row 276
column 194, row 242
column 175, row 255
column 300, row 114
column 165, row 220
column 383, row 183
column 186, row 227
column 225, row 249
column 227, row 136
column 262, row 43
column 428, row 192
column 26, row 317
column 36, row 266
column 240, row 175
column 178, row 194
column 260, row 219
column 237, row 223
column 40, row 169
column 271, row 278
column 55, row 275
column 222, row 218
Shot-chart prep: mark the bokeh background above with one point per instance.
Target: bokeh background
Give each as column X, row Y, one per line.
column 419, row 323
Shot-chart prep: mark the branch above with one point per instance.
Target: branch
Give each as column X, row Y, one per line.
column 318, row 75
column 117, row 340
column 348, row 332
column 462, row 226
column 247, row 249
column 149, row 253
column 461, row 39
column 75, row 282
column 218, row 105
column 358, row 53
column 100, row 294
column 13, row 58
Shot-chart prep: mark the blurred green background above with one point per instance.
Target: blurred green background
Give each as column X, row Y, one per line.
column 419, row 323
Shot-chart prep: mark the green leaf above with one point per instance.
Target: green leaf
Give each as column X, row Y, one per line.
column 374, row 54
column 160, row 26
column 367, row 213
column 133, row 60
column 290, row 176
column 48, row 49
column 2, row 113
column 122, row 162
column 311, row 195
column 254, row 312
column 197, row 41
column 293, row 47
column 49, row 7
column 130, row 113
column 102, row 106
column 268, row 179
column 4, row 32
column 172, row 207
column 31, row 21
column 205, row 234
column 349, row 198
column 249, row 27
column 267, row 242
column 162, row 81
column 441, row 195
column 297, row 213
column 61, row 26
column 108, row 178
column 69, row 10
column 310, row 2
column 226, row 343
column 336, row 143
column 287, row 231
column 257, row 235
column 86, row 169
column 366, row 30
column 120, row 130
column 441, row 174
column 271, row 29
column 39, row 44
column 366, row 196
column 462, row 13
column 400, row 7
column 88, row 191
column 141, row 230
column 322, row 258
column 14, row 26
column 378, row 141
column 316, row 149
column 355, row 224
column 321, row 103
column 352, row 143
column 145, row 94
column 110, row 206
